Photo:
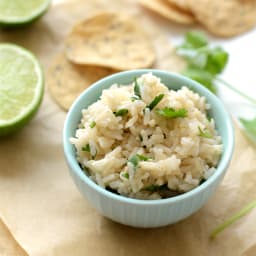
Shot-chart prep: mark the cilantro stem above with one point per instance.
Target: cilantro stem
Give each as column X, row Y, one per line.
column 231, row 87
column 232, row 219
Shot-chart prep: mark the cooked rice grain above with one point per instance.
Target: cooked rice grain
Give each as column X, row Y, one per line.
column 141, row 153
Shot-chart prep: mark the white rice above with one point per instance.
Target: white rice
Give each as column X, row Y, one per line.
column 179, row 156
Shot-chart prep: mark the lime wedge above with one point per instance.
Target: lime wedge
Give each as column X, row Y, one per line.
column 21, row 87
column 19, row 12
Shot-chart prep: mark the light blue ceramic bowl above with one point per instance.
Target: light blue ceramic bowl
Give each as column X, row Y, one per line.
column 147, row 213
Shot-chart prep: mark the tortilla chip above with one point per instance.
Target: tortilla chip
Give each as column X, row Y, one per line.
column 110, row 40
column 66, row 81
column 225, row 18
column 169, row 11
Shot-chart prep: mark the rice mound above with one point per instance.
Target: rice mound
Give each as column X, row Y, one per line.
column 136, row 152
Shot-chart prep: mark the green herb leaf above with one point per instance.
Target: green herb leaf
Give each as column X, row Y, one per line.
column 135, row 159
column 203, row 61
column 217, row 60
column 155, row 101
column 194, row 40
column 233, row 219
column 250, row 127
column 133, row 98
column 205, row 134
column 92, row 124
column 172, row 113
column 126, row 175
column 121, row 112
column 86, row 148
column 137, row 89
column 201, row 76
column 155, row 188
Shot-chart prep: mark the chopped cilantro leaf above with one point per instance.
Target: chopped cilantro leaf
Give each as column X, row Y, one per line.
column 204, row 133
column 194, row 40
column 86, row 148
column 92, row 124
column 126, row 175
column 137, row 89
column 135, row 159
column 155, row 188
column 155, row 101
column 121, row 112
column 172, row 113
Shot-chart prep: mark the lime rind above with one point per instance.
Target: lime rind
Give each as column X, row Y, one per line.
column 9, row 20
column 14, row 124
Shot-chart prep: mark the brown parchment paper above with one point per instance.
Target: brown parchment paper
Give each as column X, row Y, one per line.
column 8, row 245
column 42, row 207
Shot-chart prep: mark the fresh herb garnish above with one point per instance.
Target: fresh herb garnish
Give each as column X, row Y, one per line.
column 135, row 159
column 155, row 101
column 204, row 65
column 92, row 124
column 172, row 113
column 86, row 148
column 201, row 76
column 121, row 112
column 203, row 61
column 232, row 219
column 155, row 188
column 250, row 127
column 194, row 40
column 126, row 175
column 204, row 133
column 137, row 92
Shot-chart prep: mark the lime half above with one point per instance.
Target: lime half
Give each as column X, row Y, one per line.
column 18, row 12
column 21, row 87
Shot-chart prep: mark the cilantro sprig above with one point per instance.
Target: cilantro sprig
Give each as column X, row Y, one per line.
column 205, row 63
column 172, row 113
column 233, row 219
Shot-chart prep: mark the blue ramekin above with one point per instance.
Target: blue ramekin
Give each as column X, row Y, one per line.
column 147, row 213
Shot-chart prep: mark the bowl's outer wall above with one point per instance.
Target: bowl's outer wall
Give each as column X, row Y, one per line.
column 147, row 213
column 144, row 216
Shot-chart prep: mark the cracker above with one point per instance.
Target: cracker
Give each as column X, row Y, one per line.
column 225, row 18
column 182, row 4
column 169, row 11
column 66, row 81
column 110, row 40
